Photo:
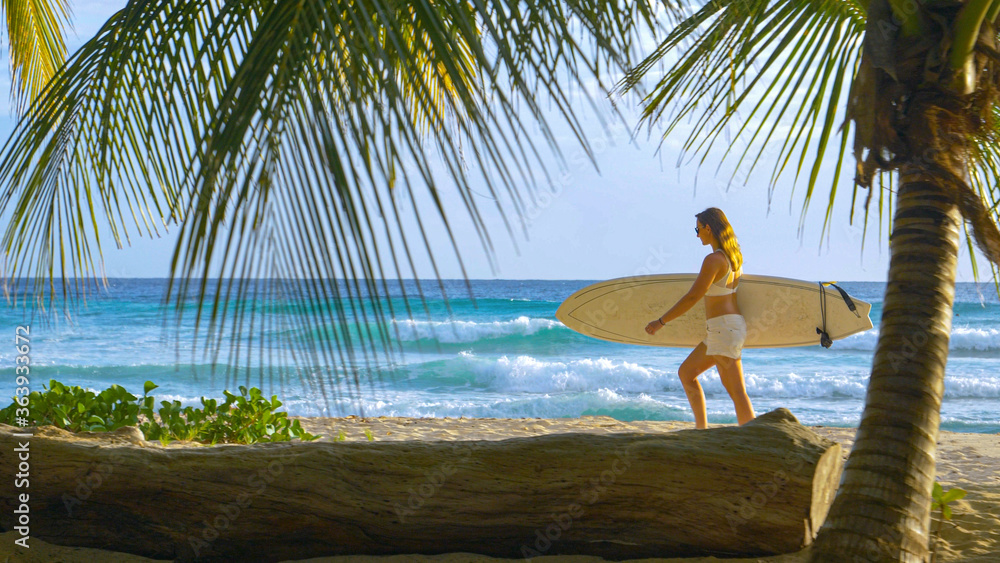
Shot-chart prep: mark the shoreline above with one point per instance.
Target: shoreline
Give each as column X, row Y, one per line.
column 967, row 460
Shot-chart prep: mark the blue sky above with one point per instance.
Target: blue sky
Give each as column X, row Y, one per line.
column 634, row 215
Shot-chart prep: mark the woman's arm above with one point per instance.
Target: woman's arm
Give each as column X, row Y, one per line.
column 710, row 267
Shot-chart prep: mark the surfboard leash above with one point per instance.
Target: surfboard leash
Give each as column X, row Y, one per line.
column 824, row 338
column 847, row 298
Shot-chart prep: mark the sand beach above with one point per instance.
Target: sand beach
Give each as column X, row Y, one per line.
column 966, row 460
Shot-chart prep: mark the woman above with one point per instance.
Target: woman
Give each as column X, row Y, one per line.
column 717, row 283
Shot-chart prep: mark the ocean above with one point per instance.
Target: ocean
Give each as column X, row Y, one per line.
column 500, row 353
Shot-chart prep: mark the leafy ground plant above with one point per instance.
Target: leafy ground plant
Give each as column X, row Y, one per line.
column 941, row 499
column 77, row 409
column 246, row 418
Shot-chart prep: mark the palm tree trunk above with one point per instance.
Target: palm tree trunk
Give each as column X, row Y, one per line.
column 882, row 509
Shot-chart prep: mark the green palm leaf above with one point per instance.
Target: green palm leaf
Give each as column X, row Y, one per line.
column 37, row 49
column 777, row 72
column 985, row 181
column 774, row 71
column 292, row 143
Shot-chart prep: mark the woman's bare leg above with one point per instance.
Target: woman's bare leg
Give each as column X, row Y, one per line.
column 731, row 374
column 696, row 364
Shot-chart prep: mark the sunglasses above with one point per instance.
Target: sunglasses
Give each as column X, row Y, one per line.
column 696, row 230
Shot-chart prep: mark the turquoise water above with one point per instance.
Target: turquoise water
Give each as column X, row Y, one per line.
column 501, row 354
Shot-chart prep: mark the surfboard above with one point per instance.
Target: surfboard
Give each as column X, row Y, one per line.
column 779, row 312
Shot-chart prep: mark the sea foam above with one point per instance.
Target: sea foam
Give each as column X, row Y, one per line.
column 528, row 374
column 471, row 331
column 970, row 339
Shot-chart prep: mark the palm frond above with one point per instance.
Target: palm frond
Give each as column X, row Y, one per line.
column 37, row 48
column 775, row 71
column 301, row 148
column 985, row 181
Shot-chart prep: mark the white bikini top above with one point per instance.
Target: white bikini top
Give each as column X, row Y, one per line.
column 719, row 288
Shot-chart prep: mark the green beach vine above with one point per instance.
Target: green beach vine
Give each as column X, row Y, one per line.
column 246, row 418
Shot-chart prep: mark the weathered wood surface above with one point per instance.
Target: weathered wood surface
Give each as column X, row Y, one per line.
column 762, row 488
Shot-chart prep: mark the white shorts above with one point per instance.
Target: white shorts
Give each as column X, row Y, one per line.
column 726, row 334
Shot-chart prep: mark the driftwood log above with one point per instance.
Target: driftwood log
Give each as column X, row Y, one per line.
column 763, row 488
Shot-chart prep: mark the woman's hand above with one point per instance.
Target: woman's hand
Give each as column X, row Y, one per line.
column 654, row 326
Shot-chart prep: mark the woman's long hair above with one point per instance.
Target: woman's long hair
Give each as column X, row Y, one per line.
column 723, row 231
